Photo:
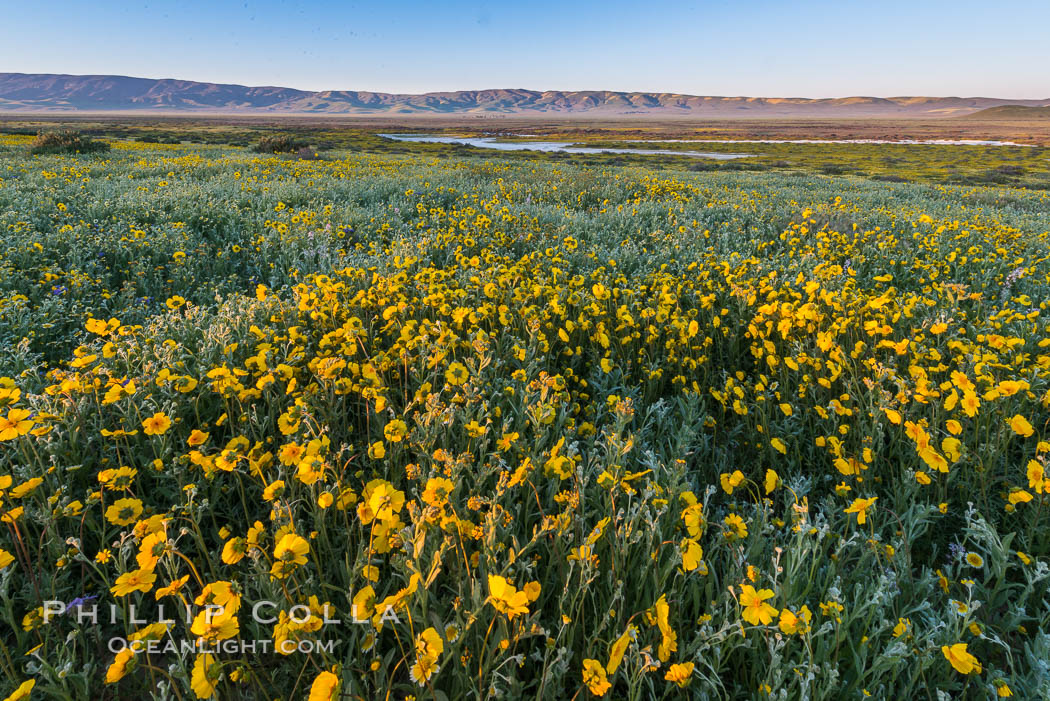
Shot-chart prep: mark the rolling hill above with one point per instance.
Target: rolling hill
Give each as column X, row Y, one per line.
column 26, row 93
column 1011, row 112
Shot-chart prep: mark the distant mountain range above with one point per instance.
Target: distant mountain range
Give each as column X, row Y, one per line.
column 24, row 92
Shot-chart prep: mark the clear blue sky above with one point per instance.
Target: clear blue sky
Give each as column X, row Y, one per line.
column 817, row 48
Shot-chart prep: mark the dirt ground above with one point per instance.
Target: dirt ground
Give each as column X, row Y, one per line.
column 584, row 126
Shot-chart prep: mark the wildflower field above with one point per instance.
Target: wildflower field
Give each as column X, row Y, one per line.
column 380, row 426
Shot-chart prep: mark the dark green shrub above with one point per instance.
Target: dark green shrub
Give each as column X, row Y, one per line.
column 65, row 142
column 279, row 143
column 1010, row 170
column 833, row 169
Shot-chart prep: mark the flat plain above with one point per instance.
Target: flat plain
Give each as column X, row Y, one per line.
column 529, row 425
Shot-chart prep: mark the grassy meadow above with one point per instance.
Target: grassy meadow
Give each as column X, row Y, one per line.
column 417, row 421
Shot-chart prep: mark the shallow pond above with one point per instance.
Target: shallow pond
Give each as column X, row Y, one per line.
column 932, row 142
column 552, row 146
